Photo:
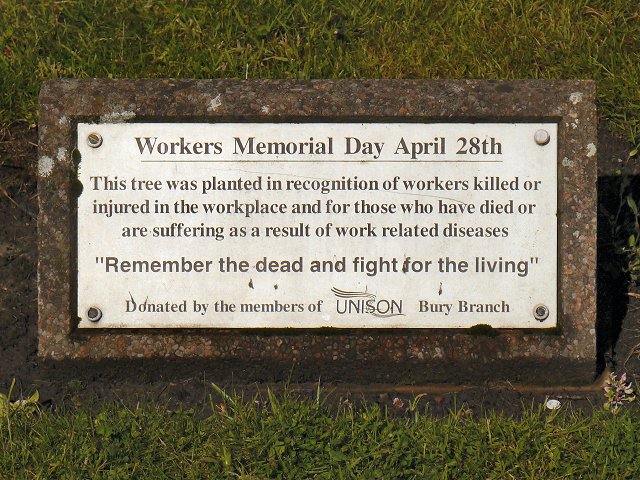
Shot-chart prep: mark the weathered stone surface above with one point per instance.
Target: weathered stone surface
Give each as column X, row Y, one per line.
column 563, row 355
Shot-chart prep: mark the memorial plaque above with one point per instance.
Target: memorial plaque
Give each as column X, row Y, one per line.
column 363, row 230
column 305, row 225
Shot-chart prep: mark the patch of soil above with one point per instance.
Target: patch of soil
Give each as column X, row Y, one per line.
column 188, row 382
column 18, row 252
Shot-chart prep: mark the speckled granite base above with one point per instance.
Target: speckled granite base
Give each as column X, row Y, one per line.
column 565, row 355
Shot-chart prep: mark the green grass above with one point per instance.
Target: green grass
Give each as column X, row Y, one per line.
column 598, row 39
column 289, row 437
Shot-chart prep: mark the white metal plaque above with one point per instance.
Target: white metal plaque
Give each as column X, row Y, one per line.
column 306, row 225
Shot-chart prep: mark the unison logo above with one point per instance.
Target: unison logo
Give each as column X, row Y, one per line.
column 349, row 303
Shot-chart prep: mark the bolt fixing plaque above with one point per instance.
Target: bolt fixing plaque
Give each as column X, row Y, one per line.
column 94, row 314
column 541, row 312
column 541, row 137
column 94, row 140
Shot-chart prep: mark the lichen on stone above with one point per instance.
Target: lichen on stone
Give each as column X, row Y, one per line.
column 576, row 97
column 45, row 165
column 116, row 117
column 215, row 103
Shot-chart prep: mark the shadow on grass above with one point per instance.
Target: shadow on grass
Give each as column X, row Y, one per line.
column 615, row 225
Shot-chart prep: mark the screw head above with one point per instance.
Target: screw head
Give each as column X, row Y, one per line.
column 94, row 314
column 94, row 140
column 541, row 137
column 541, row 312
